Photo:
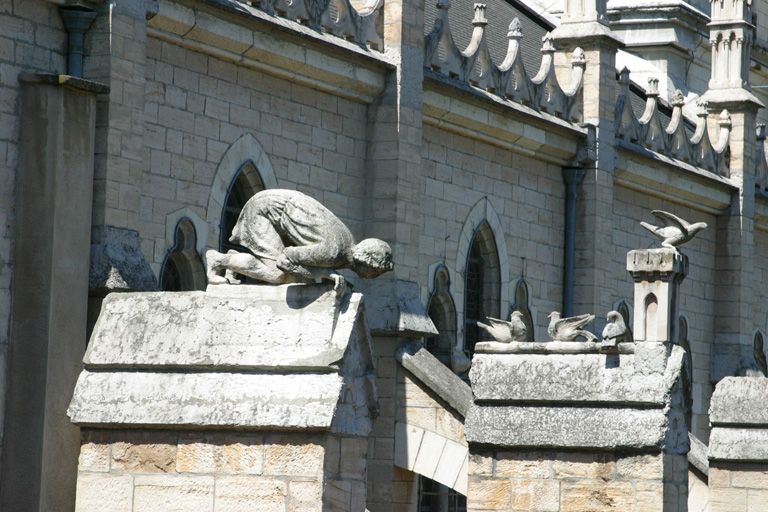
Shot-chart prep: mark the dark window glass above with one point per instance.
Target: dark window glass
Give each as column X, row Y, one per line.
column 170, row 279
column 435, row 497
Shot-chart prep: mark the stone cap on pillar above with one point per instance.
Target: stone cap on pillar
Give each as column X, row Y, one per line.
column 583, row 399
column 656, row 264
column 739, row 419
column 247, row 357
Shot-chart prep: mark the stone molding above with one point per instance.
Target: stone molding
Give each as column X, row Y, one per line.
column 278, row 46
column 739, row 420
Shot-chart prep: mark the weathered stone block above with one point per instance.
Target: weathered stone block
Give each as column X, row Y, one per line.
column 596, row 496
column 172, row 493
column 97, row 492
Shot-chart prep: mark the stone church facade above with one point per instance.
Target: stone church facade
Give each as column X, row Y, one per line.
column 506, row 151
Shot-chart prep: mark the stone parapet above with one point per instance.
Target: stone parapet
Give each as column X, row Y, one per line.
column 235, row 397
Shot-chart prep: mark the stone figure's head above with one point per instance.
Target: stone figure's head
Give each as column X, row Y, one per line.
column 696, row 227
column 371, row 258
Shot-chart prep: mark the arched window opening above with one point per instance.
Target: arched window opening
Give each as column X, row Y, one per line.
column 623, row 309
column 442, row 312
column 246, row 183
column 435, row 497
column 183, row 269
column 522, row 305
column 651, row 310
column 682, row 340
column 482, row 284
column 759, row 353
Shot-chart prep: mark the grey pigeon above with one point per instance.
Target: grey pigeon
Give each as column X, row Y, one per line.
column 675, row 230
column 615, row 330
column 503, row 331
column 568, row 329
column 460, row 363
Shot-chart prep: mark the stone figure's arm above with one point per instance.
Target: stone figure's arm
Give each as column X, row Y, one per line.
column 312, row 262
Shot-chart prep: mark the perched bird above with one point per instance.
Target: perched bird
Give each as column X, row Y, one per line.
column 675, row 231
column 615, row 330
column 568, row 329
column 503, row 331
column 460, row 363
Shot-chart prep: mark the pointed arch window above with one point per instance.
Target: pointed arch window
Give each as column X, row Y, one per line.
column 246, row 184
column 522, row 304
column 482, row 288
column 442, row 312
column 183, row 269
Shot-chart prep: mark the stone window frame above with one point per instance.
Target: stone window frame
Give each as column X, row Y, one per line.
column 441, row 309
column 481, row 213
column 245, row 149
column 185, row 247
column 246, row 183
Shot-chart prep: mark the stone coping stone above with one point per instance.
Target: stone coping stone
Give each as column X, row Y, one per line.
column 656, row 261
column 567, row 427
column 243, row 327
column 740, row 401
column 436, row 376
column 739, row 444
column 212, row 400
column 74, row 82
column 551, row 347
column 642, row 379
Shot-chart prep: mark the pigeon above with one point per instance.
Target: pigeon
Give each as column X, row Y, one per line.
column 615, row 330
column 675, row 231
column 460, row 363
column 568, row 329
column 503, row 331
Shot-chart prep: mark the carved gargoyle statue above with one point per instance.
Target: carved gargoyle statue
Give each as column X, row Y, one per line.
column 293, row 238
column 675, row 230
column 615, row 330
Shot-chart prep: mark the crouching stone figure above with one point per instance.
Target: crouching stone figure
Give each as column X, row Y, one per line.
column 293, row 238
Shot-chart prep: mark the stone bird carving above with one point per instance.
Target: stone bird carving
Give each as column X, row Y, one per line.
column 615, row 330
column 460, row 363
column 675, row 230
column 503, row 331
column 568, row 329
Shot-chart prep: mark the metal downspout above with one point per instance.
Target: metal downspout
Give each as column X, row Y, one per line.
column 572, row 176
column 77, row 19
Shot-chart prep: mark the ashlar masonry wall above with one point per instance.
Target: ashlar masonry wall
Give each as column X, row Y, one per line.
column 125, row 471
column 198, row 105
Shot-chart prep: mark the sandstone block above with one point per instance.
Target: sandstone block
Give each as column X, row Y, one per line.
column 489, row 494
column 293, row 459
column 94, row 457
column 241, row 493
column 144, row 458
column 640, row 467
column 595, row 496
column 100, row 492
column 583, row 466
column 521, row 465
column 532, row 494
column 173, row 493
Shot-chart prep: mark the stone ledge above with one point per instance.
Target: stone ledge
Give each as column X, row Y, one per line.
column 738, row 444
column 73, row 82
column 740, row 401
column 436, row 376
column 246, row 327
column 223, row 400
column 643, row 376
column 567, row 428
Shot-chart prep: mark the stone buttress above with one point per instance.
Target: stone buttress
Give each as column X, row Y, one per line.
column 235, row 398
column 566, row 425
